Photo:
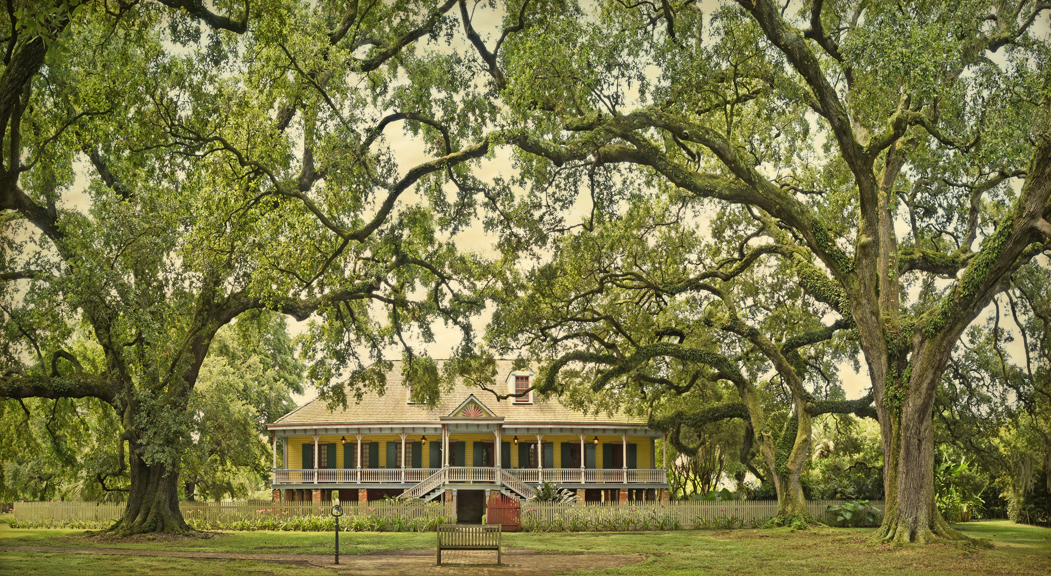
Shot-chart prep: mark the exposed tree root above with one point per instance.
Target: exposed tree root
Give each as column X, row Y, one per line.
column 794, row 521
column 154, row 518
column 899, row 532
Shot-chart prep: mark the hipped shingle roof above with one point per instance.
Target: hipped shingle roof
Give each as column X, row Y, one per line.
column 393, row 406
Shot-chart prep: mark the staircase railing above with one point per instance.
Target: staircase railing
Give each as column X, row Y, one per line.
column 514, row 483
column 429, row 483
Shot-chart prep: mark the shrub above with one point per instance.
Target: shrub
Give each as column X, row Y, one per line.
column 857, row 514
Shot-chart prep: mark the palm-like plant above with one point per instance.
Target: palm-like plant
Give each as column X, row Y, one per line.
column 547, row 492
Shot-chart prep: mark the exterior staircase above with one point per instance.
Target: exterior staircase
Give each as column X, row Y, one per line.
column 432, row 486
column 429, row 488
column 520, row 489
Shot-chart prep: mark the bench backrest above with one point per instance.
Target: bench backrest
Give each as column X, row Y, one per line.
column 459, row 535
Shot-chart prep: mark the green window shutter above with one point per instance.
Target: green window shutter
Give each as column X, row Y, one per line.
column 653, row 452
column 308, row 456
column 505, row 454
column 477, row 456
column 331, row 455
column 567, row 455
column 523, row 455
column 392, row 455
column 549, row 455
column 589, row 456
column 374, row 454
column 417, row 455
column 633, row 456
column 436, row 455
column 461, row 454
column 350, row 452
column 607, row 456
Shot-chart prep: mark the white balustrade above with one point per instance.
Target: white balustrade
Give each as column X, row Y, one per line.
column 470, row 474
column 646, row 476
column 514, row 483
column 427, row 484
column 414, row 475
column 528, row 475
column 612, row 476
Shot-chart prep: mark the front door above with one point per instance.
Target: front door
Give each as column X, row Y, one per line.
column 483, row 455
column 616, row 456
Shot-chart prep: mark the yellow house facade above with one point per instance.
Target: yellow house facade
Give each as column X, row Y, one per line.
column 469, row 447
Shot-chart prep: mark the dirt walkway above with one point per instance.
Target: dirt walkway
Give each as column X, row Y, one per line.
column 402, row 563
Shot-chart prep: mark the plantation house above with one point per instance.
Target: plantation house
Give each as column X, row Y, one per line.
column 470, row 446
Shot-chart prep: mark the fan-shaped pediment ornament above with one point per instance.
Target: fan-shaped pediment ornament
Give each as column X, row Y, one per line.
column 472, row 411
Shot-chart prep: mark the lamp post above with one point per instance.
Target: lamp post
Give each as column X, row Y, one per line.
column 337, row 511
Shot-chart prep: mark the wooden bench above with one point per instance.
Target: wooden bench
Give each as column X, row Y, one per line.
column 468, row 537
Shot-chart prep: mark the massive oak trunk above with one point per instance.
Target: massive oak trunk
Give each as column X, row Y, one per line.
column 791, row 459
column 912, row 513
column 153, row 501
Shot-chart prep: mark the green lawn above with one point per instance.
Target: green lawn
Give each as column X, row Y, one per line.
column 1018, row 550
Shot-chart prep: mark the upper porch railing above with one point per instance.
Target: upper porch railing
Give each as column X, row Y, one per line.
column 470, row 474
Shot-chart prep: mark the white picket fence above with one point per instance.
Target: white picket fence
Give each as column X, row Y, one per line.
column 230, row 511
column 685, row 512
column 68, row 511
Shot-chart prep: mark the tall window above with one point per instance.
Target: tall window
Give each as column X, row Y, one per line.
column 521, row 385
column 397, row 455
column 571, row 456
column 322, row 456
column 534, row 458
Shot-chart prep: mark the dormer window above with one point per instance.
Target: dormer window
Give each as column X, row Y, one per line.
column 522, row 385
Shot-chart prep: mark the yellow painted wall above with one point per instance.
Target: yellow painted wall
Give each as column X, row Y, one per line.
column 295, row 447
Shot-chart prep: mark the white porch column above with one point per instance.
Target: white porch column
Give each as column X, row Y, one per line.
column 498, row 448
column 316, row 438
column 540, row 456
column 624, row 453
column 445, row 446
column 583, row 458
column 403, row 457
column 358, row 461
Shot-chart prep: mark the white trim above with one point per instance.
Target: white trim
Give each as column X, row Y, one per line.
column 489, row 414
column 513, row 385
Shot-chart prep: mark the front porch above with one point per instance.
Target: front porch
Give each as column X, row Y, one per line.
column 336, row 478
column 470, row 449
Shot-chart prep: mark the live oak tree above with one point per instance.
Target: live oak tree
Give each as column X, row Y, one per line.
column 168, row 169
column 64, row 448
column 245, row 383
column 891, row 142
column 664, row 325
column 994, row 407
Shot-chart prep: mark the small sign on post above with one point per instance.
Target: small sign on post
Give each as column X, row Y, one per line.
column 337, row 511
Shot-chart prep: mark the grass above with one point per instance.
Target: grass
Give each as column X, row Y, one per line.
column 1018, row 550
column 234, row 542
column 38, row 564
